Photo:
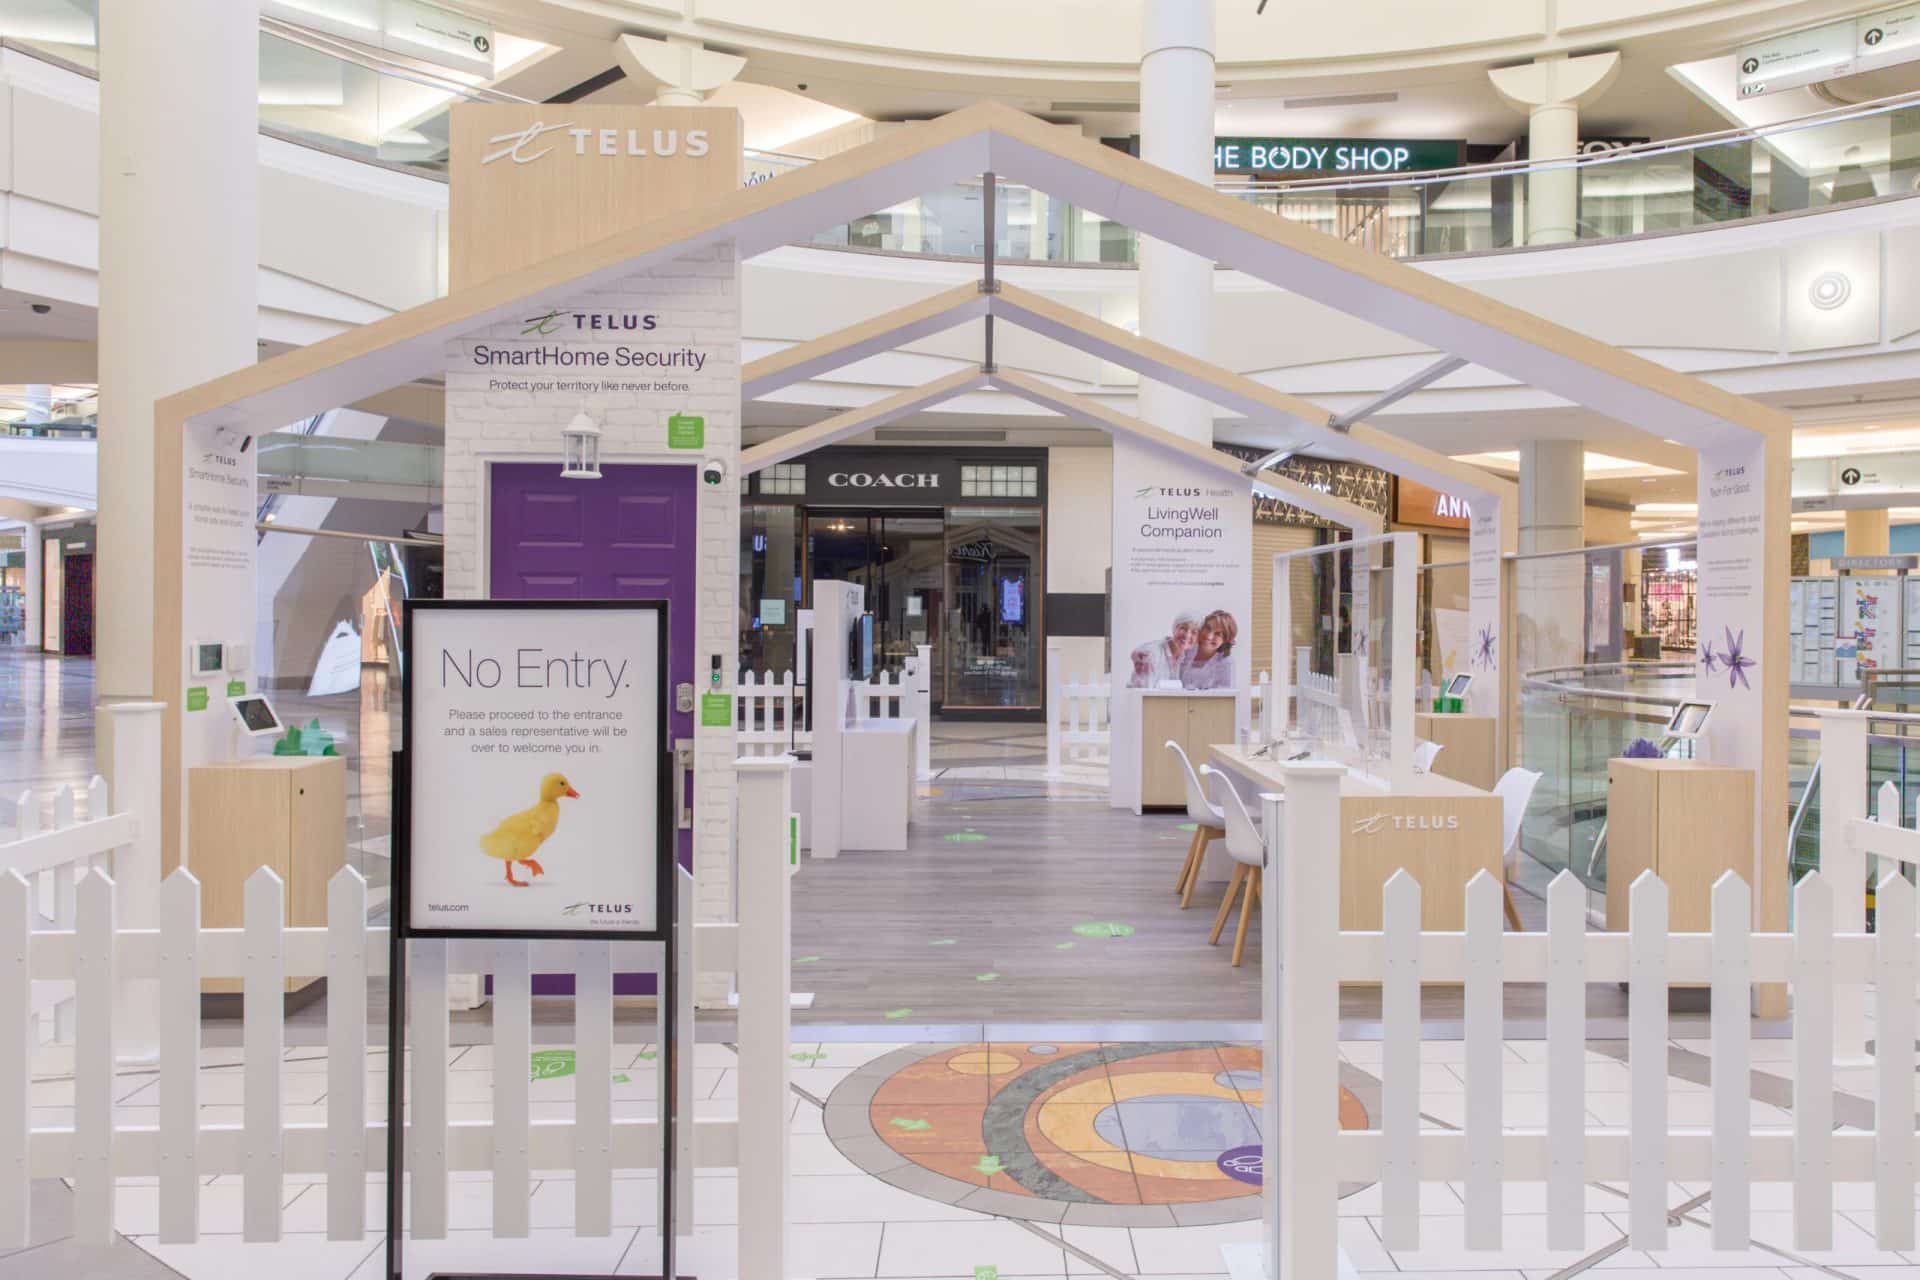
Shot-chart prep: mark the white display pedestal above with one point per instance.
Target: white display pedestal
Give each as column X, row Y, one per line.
column 876, row 784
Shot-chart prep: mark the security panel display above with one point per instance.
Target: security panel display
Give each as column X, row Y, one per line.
column 209, row 657
column 860, row 648
column 256, row 715
column 1457, row 687
column 1689, row 720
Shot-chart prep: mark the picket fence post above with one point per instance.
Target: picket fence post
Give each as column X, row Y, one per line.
column 16, row 1057
column 94, row 945
column 1054, row 706
column 1843, row 799
column 1302, row 1235
column 923, row 712
column 180, row 1058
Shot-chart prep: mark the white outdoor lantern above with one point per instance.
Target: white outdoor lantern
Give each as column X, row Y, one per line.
column 581, row 460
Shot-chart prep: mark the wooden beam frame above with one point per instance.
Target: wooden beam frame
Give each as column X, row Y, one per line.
column 865, row 418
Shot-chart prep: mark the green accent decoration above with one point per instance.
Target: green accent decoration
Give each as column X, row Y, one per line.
column 986, row 977
column 197, row 697
column 716, row 710
column 894, row 1015
column 648, row 1055
column 793, row 840
column 1189, row 826
column 551, row 1064
column 807, row 1057
column 988, row 1165
column 910, row 1125
column 311, row 740
column 236, row 688
column 805, row 959
column 1064, row 946
column 986, row 1273
column 686, row 431
column 943, row 942
column 1103, row 929
column 621, row 1079
column 963, row 837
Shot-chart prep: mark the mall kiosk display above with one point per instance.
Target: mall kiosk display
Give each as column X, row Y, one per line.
column 532, row 809
column 863, row 767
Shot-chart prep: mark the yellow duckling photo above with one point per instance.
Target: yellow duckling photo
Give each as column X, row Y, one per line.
column 519, row 836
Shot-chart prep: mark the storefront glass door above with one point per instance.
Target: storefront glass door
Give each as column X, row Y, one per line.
column 993, row 654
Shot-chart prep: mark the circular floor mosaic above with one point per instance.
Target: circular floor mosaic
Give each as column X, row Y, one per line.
column 1147, row 1134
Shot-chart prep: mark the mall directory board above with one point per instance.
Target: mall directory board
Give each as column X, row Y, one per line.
column 536, row 770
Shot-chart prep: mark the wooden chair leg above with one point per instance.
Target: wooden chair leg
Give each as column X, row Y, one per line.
column 1186, row 868
column 1205, row 836
column 1513, row 917
column 1246, row 910
column 1226, row 903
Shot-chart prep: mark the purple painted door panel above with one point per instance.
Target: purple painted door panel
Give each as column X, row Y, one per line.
column 627, row 536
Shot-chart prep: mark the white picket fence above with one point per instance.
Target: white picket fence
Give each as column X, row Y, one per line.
column 1308, row 957
column 120, row 839
column 770, row 711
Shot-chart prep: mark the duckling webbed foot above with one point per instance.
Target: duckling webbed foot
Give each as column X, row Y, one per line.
column 533, row 866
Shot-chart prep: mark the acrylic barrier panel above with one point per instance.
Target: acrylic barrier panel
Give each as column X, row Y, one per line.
column 1341, row 623
column 328, row 658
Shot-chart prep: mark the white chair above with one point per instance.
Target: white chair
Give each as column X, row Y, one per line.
column 1208, row 825
column 1423, row 754
column 1249, row 853
column 1515, row 789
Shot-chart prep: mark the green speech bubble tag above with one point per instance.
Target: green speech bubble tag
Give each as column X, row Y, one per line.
column 197, row 697
column 716, row 710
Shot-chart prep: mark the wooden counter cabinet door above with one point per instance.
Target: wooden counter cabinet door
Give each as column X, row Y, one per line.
column 1687, row 821
column 1196, row 723
column 284, row 812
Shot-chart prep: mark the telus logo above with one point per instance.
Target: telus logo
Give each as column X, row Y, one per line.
column 585, row 321
column 881, row 480
column 1377, row 822
column 518, row 146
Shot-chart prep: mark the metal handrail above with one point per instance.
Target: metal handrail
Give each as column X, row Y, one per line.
column 1544, row 678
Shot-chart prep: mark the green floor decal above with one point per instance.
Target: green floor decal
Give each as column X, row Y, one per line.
column 988, row 1165
column 1103, row 929
column 986, row 1273
column 1189, row 826
column 894, row 1015
column 943, row 942
column 805, row 959
column 1064, row 946
column 910, row 1125
column 986, row 977
column 807, row 1057
column 551, row 1064
column 963, row 837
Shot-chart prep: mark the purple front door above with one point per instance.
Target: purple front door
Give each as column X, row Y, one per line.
column 626, row 536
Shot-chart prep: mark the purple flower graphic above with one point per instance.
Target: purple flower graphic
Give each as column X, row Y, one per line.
column 1736, row 662
column 1483, row 648
column 1708, row 658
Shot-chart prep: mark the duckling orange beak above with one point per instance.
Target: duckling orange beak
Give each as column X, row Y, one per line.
column 572, row 794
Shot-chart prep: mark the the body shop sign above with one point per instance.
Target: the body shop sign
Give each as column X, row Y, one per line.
column 535, row 802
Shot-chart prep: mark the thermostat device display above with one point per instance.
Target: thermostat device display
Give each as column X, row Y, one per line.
column 256, row 715
column 209, row 657
column 1457, row 687
column 1689, row 720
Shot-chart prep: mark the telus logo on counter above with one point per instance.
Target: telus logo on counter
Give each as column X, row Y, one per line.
column 1375, row 822
column 523, row 145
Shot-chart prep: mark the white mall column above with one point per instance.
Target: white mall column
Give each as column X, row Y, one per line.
column 30, row 636
column 1550, row 613
column 1551, row 90
column 682, row 71
column 179, row 242
column 1176, row 133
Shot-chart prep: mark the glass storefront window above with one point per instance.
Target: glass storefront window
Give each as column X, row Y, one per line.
column 769, row 587
column 995, row 559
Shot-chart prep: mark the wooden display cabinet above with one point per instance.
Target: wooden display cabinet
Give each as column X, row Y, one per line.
column 1194, row 720
column 284, row 812
column 1687, row 821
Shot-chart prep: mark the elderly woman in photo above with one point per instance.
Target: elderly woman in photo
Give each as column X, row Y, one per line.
column 1166, row 660
column 1211, row 666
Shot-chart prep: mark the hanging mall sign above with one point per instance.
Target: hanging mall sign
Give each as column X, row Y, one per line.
column 1883, row 38
column 1419, row 504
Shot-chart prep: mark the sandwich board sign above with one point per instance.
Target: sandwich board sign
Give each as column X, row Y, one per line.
column 532, row 801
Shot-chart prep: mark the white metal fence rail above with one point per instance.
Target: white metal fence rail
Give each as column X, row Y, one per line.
column 1308, row 957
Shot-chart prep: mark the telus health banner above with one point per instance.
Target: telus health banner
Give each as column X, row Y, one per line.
column 534, row 759
column 1182, row 591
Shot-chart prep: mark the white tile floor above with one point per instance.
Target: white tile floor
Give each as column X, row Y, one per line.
column 845, row 1223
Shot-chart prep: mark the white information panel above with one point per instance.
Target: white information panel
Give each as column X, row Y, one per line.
column 535, row 802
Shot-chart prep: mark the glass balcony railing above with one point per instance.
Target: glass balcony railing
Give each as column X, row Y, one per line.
column 356, row 101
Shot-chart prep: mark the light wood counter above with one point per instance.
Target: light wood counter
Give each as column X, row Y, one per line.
column 1193, row 718
column 284, row 812
column 1467, row 745
column 1438, row 828
column 1686, row 821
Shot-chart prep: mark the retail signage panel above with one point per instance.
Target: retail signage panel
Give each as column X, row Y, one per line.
column 425, row 31
column 1888, row 37
column 1877, row 562
column 535, row 769
column 883, row 478
column 1334, row 155
column 1416, row 503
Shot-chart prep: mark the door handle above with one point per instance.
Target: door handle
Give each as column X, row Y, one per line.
column 682, row 767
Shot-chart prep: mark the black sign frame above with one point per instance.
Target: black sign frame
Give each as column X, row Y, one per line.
column 400, row 931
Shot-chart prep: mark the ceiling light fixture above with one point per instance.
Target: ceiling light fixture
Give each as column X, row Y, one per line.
column 1830, row 290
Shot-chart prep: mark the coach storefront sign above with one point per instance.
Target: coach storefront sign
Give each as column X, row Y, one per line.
column 883, row 478
column 528, row 180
